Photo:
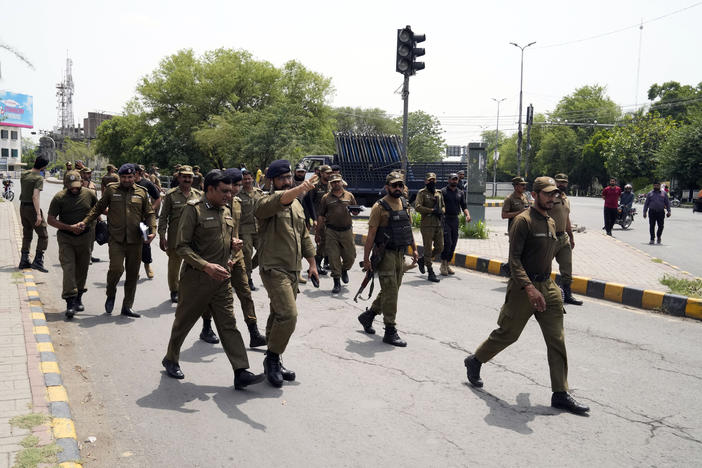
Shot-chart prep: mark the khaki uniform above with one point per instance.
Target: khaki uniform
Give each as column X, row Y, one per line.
column 204, row 236
column 514, row 202
column 248, row 228
column 316, row 195
column 338, row 229
column 108, row 179
column 240, row 278
column 284, row 241
column 127, row 208
column 532, row 246
column 155, row 179
column 171, row 208
column 564, row 254
column 74, row 250
column 30, row 181
column 198, row 181
column 431, row 226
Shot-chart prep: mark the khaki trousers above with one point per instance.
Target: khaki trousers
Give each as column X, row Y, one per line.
column 240, row 283
column 74, row 256
column 341, row 251
column 564, row 257
column 174, row 263
column 282, row 291
column 250, row 243
column 390, row 272
column 28, row 216
column 433, row 242
column 123, row 257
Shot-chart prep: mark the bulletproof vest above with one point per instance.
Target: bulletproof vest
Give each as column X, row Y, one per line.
column 399, row 228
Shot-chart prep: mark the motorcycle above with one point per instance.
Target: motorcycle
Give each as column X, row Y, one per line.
column 625, row 220
column 674, row 202
column 641, row 198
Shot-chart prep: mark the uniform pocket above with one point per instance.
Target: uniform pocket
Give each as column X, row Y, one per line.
column 210, row 224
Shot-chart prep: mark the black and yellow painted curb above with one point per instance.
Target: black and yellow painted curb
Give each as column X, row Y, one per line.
column 492, row 204
column 671, row 304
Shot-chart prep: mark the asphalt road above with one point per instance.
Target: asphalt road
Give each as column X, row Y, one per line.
column 358, row 402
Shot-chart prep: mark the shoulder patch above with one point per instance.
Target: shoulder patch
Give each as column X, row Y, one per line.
column 170, row 191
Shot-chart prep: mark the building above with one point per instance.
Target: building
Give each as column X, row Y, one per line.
column 91, row 124
column 10, row 148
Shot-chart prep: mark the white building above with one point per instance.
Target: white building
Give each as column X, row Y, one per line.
column 10, row 148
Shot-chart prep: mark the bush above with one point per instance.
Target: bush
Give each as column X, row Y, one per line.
column 683, row 287
column 416, row 219
column 473, row 230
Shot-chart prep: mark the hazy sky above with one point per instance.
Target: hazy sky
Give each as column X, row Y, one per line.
column 468, row 59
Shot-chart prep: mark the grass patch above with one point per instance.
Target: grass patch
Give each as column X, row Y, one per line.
column 683, row 287
column 656, row 260
column 33, row 454
column 28, row 421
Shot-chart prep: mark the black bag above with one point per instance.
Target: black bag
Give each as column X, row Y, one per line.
column 102, row 235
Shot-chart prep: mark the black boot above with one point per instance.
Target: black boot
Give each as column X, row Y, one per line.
column 563, row 400
column 288, row 375
column 391, row 337
column 78, row 304
column 366, row 319
column 568, row 296
column 345, row 276
column 109, row 304
column 432, row 276
column 172, row 369
column 24, row 261
column 473, row 369
column 174, row 297
column 271, row 367
column 320, row 269
column 207, row 334
column 256, row 338
column 129, row 312
column 251, row 285
column 244, row 378
column 38, row 263
column 420, row 264
column 337, row 286
column 70, row 307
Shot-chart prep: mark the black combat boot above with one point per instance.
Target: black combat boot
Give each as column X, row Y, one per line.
column 563, row 400
column 70, row 307
column 432, row 276
column 38, row 263
column 473, row 370
column 568, row 296
column 244, row 378
column 366, row 319
column 207, row 334
column 256, row 338
column 420, row 264
column 174, row 297
column 129, row 312
column 337, row 286
column 109, row 304
column 271, row 367
column 320, row 269
column 391, row 337
column 24, row 261
column 78, row 303
column 251, row 285
column 288, row 375
column 345, row 276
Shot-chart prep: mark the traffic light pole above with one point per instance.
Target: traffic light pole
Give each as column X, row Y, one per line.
column 405, row 98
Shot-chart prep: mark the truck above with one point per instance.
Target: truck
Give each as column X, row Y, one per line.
column 366, row 159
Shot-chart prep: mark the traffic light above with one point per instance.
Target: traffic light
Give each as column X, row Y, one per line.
column 407, row 52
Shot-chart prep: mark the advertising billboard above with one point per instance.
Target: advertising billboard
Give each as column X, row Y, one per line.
column 16, row 110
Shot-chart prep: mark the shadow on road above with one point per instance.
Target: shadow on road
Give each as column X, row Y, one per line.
column 514, row 417
column 369, row 348
column 166, row 307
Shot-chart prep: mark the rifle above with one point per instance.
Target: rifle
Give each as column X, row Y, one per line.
column 376, row 256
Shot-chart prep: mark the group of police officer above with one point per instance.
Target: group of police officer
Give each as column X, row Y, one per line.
column 204, row 236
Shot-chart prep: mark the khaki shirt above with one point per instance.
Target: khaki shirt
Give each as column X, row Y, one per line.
column 560, row 212
column 379, row 216
column 283, row 236
column 171, row 209
column 72, row 209
column 425, row 204
column 317, row 193
column 199, row 181
column 236, row 216
column 248, row 201
column 514, row 202
column 30, row 180
column 156, row 180
column 532, row 246
column 108, row 179
column 205, row 234
column 127, row 208
column 336, row 209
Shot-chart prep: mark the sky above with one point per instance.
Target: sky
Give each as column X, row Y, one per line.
column 469, row 59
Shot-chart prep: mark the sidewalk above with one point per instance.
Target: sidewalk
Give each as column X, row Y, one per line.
column 30, row 381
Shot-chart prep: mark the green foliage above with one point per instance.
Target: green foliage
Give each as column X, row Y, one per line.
column 671, row 99
column 683, row 287
column 681, row 154
column 425, row 143
column 358, row 120
column 416, row 219
column 28, row 421
column 560, row 151
column 473, row 230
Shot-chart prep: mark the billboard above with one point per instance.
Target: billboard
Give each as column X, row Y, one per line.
column 16, row 110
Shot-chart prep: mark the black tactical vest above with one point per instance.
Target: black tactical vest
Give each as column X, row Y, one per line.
column 399, row 228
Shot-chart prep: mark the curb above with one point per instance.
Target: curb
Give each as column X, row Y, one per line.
column 670, row 304
column 62, row 426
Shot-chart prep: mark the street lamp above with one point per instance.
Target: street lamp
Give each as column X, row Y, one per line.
column 519, row 131
column 497, row 148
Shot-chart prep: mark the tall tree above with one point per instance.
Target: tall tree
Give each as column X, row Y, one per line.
column 424, row 134
column 358, row 120
column 681, row 155
column 671, row 99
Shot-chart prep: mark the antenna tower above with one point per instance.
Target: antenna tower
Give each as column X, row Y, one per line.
column 64, row 96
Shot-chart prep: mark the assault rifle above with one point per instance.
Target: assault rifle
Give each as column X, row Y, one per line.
column 376, row 256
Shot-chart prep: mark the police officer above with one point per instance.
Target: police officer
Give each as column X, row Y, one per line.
column 566, row 242
column 455, row 203
column 430, row 204
column 174, row 177
column 205, row 241
column 172, row 207
column 284, row 242
column 530, row 291
column 86, row 175
column 335, row 222
column 389, row 224
column 516, row 202
column 198, row 179
column 32, row 183
column 155, row 178
column 128, row 205
column 155, row 199
column 109, row 177
column 314, row 197
column 248, row 229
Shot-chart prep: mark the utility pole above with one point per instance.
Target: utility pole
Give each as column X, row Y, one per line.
column 496, row 154
column 407, row 64
column 530, row 121
column 405, row 139
column 519, row 130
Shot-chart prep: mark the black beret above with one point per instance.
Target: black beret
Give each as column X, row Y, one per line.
column 127, row 168
column 278, row 168
column 234, row 174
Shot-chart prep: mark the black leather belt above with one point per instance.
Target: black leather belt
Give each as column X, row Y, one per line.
column 339, row 229
column 538, row 278
column 558, row 234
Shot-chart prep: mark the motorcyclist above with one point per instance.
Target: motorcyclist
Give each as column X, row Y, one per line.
column 626, row 200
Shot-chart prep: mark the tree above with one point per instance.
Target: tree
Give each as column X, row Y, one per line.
column 681, row 155
column 124, row 139
column 358, row 120
column 560, row 151
column 671, row 99
column 425, row 143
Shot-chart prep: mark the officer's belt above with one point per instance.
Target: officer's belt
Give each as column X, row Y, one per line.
column 538, row 278
column 340, row 229
column 560, row 233
column 85, row 231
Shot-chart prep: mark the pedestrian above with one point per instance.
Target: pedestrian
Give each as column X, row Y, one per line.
column 610, row 194
column 516, row 202
column 298, row 178
column 198, row 179
column 31, row 184
column 205, row 241
column 140, row 178
column 531, row 291
column 248, row 229
column 566, row 242
column 109, row 177
column 336, row 170
column 314, row 197
column 128, row 205
column 284, row 242
column 462, row 182
column 430, row 205
column 174, row 177
column 86, row 175
column 66, row 211
column 334, row 220
column 390, row 229
column 155, row 177
column 455, row 203
column 171, row 210
column 656, row 204
column 626, row 200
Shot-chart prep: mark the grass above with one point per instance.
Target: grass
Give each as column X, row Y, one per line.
column 32, row 454
column 683, row 287
column 656, row 260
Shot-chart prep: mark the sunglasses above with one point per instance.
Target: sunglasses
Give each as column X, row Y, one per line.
column 397, row 185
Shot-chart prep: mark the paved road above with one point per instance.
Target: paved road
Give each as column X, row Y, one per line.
column 358, row 401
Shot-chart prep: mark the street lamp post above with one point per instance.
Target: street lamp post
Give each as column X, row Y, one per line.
column 497, row 148
column 519, row 131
